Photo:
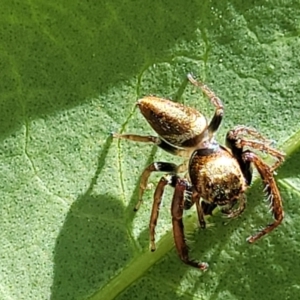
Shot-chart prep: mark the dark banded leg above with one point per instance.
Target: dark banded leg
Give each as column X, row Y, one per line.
column 203, row 208
column 156, row 167
column 193, row 198
column 158, row 194
column 272, row 194
column 178, row 228
column 208, row 208
column 217, row 103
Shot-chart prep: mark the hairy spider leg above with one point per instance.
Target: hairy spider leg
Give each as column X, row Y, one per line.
column 216, row 102
column 158, row 194
column 169, row 168
column 236, row 138
column 178, row 227
column 272, row 193
column 191, row 197
column 244, row 130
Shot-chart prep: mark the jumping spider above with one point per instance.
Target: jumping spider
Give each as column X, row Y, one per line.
column 218, row 175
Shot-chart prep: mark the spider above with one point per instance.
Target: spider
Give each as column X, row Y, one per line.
column 216, row 175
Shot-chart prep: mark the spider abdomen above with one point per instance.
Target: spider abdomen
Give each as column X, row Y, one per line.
column 177, row 124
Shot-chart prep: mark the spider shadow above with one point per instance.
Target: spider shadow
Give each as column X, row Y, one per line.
column 93, row 242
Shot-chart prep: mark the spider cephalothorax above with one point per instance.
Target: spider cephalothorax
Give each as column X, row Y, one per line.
column 217, row 175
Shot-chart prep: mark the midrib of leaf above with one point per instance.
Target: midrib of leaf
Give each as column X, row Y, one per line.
column 289, row 147
column 139, row 265
column 292, row 144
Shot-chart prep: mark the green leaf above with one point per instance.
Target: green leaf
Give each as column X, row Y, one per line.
column 71, row 74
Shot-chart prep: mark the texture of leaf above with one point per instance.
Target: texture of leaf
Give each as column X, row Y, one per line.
column 71, row 74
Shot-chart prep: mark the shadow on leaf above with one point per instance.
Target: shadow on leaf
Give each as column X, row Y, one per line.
column 92, row 237
column 79, row 50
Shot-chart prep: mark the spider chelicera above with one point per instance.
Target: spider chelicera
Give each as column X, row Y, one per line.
column 216, row 175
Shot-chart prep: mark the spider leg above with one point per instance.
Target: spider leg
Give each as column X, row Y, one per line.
column 236, row 138
column 272, row 192
column 203, row 208
column 217, row 103
column 193, row 198
column 178, row 228
column 208, row 207
column 183, row 152
column 158, row 194
column 244, row 130
column 157, row 167
column 188, row 196
column 159, row 191
column 200, row 212
column 137, row 138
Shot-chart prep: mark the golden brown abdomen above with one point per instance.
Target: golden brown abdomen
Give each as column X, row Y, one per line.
column 174, row 122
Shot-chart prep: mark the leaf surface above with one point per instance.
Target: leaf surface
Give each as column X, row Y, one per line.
column 70, row 75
